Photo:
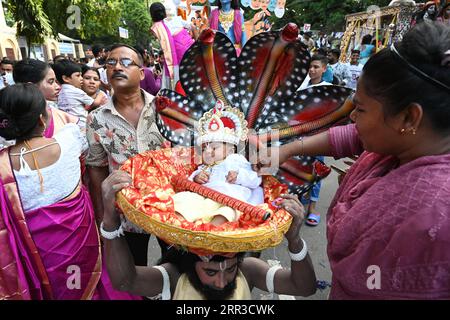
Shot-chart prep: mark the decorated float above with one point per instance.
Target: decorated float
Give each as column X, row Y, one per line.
column 261, row 83
column 198, row 13
column 387, row 25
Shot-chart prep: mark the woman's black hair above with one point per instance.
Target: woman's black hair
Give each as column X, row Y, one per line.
column 234, row 4
column 30, row 70
column 157, row 11
column 85, row 68
column 394, row 82
column 21, row 106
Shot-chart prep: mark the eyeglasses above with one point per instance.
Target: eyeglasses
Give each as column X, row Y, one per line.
column 125, row 62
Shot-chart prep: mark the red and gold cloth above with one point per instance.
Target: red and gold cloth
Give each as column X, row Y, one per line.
column 148, row 203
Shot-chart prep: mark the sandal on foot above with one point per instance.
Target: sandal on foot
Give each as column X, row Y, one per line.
column 312, row 219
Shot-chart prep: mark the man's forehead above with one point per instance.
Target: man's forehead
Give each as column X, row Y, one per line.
column 123, row 52
column 317, row 63
column 216, row 264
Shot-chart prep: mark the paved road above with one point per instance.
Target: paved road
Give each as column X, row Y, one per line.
column 314, row 236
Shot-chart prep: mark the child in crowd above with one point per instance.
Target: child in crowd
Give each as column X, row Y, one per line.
column 71, row 98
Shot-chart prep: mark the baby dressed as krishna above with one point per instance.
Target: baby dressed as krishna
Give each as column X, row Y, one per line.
column 221, row 130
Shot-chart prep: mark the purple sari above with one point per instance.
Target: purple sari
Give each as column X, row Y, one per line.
column 19, row 273
column 72, row 250
column 182, row 42
column 391, row 223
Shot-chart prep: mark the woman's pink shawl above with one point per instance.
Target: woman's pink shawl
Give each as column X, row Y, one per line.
column 168, row 46
column 393, row 218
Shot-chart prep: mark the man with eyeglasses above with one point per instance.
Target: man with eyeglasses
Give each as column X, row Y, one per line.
column 122, row 128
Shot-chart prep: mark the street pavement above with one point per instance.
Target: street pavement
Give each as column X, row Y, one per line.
column 315, row 237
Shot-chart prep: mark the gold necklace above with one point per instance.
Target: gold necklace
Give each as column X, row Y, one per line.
column 210, row 166
column 226, row 20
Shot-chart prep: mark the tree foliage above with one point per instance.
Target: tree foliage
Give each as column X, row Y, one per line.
column 98, row 18
column 32, row 22
column 325, row 15
column 138, row 21
column 89, row 20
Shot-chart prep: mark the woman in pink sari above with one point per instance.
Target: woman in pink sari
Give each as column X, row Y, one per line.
column 174, row 38
column 388, row 226
column 49, row 242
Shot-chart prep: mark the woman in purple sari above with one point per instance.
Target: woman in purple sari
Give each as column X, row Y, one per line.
column 49, row 243
column 388, row 227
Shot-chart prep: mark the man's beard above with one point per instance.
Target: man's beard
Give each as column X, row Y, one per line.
column 208, row 292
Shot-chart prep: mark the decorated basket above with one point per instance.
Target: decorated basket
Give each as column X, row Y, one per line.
column 148, row 204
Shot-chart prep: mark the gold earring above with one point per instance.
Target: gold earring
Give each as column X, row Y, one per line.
column 403, row 130
column 413, row 131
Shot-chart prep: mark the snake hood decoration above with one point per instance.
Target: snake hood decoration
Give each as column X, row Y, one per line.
column 262, row 82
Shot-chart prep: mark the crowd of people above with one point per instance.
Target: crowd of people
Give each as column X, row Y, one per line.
column 67, row 127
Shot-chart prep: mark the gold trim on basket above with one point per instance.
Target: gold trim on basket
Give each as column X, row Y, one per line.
column 254, row 239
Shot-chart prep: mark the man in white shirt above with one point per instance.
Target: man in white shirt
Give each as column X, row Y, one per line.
column 340, row 70
column 98, row 51
column 317, row 68
column 355, row 69
column 308, row 41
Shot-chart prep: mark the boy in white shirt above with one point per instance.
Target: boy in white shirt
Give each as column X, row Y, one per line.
column 355, row 69
column 317, row 68
column 71, row 98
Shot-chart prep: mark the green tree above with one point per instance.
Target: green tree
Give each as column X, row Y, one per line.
column 100, row 20
column 137, row 19
column 32, row 22
column 326, row 15
column 97, row 19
